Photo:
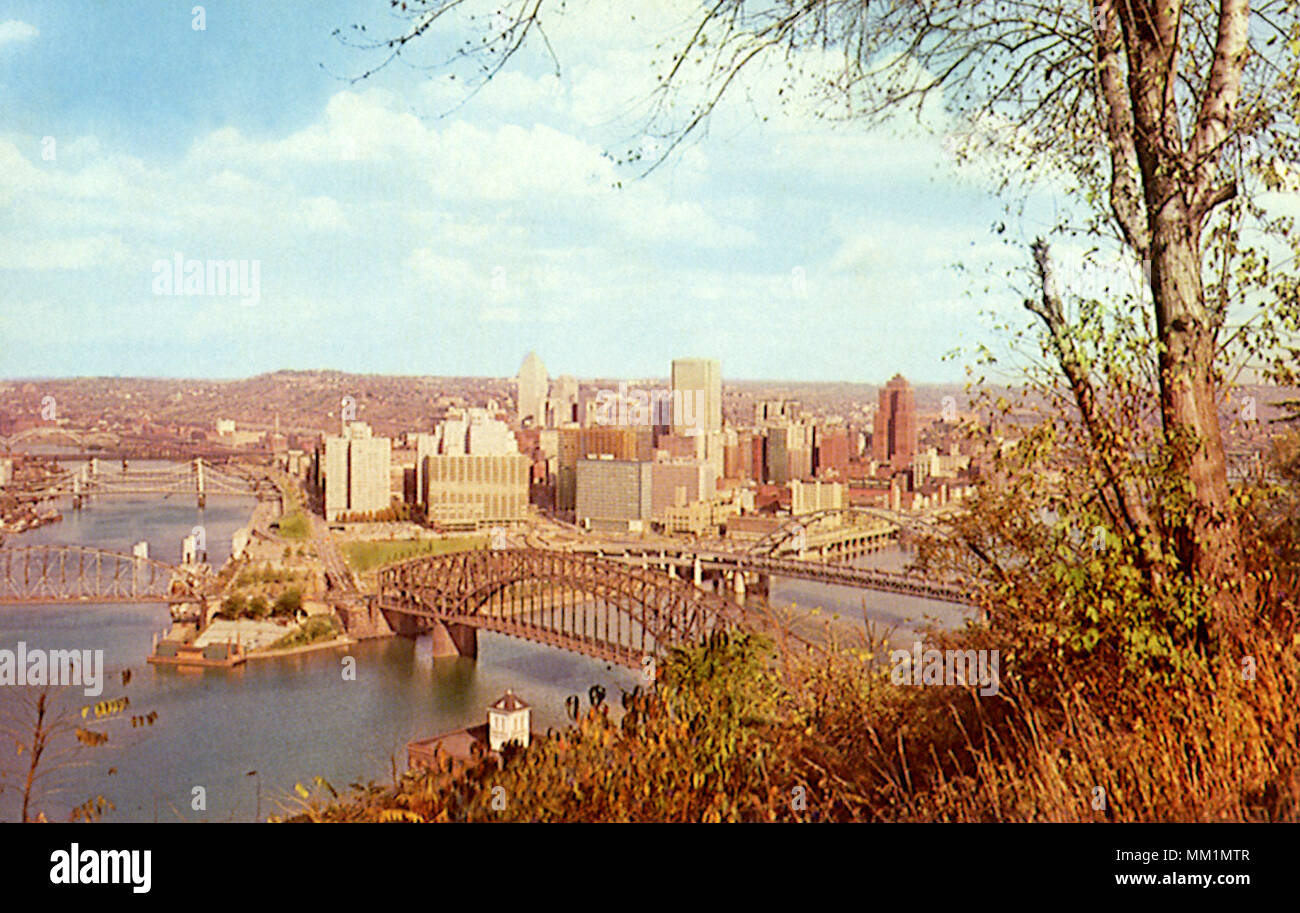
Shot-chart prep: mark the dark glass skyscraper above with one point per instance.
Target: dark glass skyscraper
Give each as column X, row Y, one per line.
column 894, row 438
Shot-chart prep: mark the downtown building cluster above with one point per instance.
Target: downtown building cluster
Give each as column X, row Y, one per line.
column 638, row 456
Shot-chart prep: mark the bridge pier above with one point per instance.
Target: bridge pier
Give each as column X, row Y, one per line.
column 446, row 639
column 454, row 640
column 738, row 585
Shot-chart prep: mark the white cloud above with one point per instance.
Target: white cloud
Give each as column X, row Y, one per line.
column 61, row 253
column 506, row 211
column 14, row 32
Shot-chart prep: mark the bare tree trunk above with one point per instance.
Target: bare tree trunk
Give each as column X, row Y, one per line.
column 1178, row 190
column 38, row 749
column 1189, row 399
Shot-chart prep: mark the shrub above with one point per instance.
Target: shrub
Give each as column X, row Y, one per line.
column 288, row 603
column 233, row 606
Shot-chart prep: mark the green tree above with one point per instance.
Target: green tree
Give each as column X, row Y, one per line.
column 233, row 606
column 288, row 603
column 1169, row 115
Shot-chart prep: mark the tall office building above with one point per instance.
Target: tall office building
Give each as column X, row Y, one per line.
column 356, row 469
column 574, row 444
column 831, row 452
column 476, row 432
column 614, row 495
column 697, row 395
column 531, row 388
column 789, row 452
column 469, row 489
column 369, row 476
column 779, row 446
column 426, row 445
column 893, row 440
column 563, row 407
column 334, row 476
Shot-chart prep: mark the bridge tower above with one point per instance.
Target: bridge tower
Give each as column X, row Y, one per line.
column 198, row 477
column 189, row 551
column 140, row 551
column 94, row 466
column 76, row 491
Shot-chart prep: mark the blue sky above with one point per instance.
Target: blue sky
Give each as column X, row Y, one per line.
column 399, row 231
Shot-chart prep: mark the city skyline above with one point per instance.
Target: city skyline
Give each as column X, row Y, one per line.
column 758, row 412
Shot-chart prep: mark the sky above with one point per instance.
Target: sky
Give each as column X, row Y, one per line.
column 396, row 225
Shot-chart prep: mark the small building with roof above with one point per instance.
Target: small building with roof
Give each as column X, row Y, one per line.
column 508, row 720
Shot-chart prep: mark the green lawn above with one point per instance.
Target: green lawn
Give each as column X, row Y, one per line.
column 370, row 554
column 294, row 526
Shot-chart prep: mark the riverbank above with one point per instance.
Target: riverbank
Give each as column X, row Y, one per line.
column 342, row 640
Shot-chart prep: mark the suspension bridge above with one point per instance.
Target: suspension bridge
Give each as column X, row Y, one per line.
column 197, row 477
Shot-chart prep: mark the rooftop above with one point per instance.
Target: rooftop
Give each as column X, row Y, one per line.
column 508, row 702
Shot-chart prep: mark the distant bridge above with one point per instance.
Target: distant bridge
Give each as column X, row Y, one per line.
column 197, row 477
column 72, row 573
column 839, row 532
column 733, row 564
column 79, row 438
column 580, row 603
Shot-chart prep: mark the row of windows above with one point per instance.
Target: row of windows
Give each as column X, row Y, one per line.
column 485, row 470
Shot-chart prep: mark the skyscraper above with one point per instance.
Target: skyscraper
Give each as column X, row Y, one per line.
column 614, row 495
column 563, row 402
column 894, row 438
column 532, row 387
column 356, row 472
column 697, row 395
column 472, row 488
column 831, row 451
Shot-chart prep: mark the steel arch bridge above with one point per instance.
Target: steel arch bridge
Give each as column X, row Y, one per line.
column 581, row 603
column 34, row 574
column 80, row 438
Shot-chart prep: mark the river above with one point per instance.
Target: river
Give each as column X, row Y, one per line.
column 248, row 735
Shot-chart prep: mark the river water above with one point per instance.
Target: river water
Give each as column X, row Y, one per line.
column 246, row 736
